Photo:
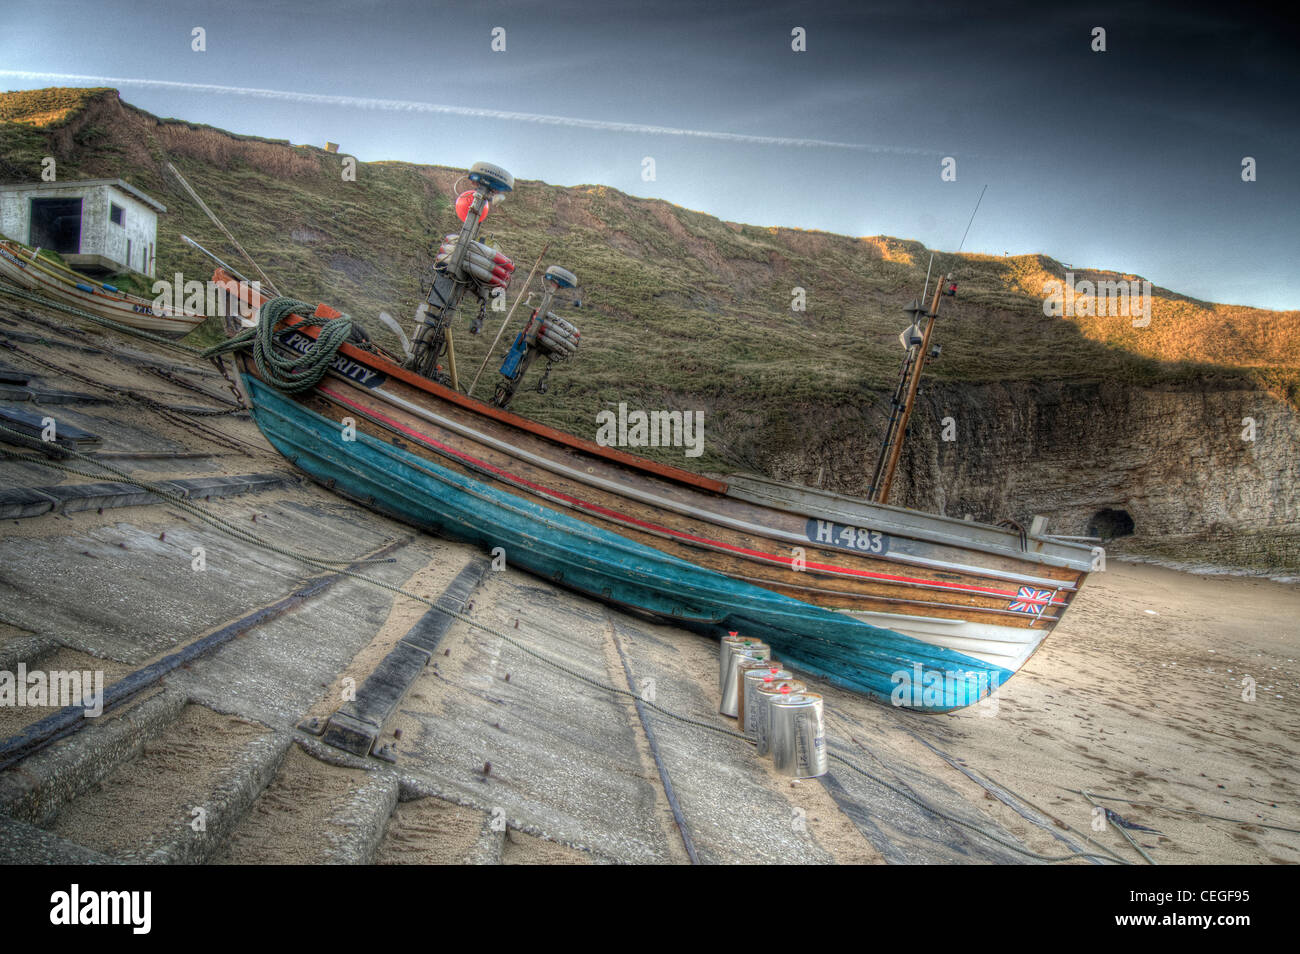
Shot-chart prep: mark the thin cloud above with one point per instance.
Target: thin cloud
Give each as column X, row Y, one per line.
column 413, row 106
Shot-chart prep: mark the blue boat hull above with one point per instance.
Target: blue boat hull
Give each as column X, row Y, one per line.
column 559, row 547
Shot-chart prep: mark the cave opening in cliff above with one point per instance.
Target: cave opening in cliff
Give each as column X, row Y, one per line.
column 1109, row 524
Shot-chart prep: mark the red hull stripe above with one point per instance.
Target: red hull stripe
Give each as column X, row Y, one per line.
column 624, row 518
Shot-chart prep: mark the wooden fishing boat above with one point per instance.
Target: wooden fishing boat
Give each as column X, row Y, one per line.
column 27, row 269
column 923, row 611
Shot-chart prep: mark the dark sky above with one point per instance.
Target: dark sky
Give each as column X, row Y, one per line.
column 1128, row 159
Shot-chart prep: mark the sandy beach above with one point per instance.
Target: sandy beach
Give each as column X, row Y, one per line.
column 1138, row 695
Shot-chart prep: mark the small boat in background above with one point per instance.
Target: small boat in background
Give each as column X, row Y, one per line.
column 28, row 269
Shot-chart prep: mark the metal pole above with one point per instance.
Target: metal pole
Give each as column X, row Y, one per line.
column 448, row 289
column 217, row 222
column 451, row 361
column 222, row 265
column 891, row 427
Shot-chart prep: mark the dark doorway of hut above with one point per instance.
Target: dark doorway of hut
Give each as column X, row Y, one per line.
column 56, row 225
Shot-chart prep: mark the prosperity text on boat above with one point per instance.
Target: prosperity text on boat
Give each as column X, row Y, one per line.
column 352, row 370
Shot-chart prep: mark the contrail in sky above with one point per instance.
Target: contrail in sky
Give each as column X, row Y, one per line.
column 473, row 112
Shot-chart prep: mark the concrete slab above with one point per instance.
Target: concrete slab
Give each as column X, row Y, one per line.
column 105, row 424
column 357, row 725
column 210, row 488
column 105, row 494
column 279, row 672
column 545, row 751
column 32, row 423
column 49, row 396
column 13, row 377
column 133, row 590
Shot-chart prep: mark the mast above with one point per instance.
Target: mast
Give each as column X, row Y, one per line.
column 900, row 396
column 892, row 447
column 882, row 479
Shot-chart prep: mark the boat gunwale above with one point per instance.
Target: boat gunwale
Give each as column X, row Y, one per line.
column 902, row 527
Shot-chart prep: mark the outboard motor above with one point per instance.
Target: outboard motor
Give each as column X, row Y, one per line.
column 546, row 334
column 463, row 264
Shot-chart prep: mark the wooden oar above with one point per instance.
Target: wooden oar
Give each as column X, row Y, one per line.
column 451, row 361
column 270, row 285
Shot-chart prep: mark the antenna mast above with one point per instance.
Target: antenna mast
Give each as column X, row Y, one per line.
column 905, row 397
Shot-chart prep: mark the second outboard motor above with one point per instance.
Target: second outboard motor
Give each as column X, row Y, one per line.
column 546, row 334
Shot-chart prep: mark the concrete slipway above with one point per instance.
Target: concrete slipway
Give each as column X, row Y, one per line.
column 491, row 755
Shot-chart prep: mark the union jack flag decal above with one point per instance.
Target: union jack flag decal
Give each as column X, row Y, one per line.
column 1031, row 601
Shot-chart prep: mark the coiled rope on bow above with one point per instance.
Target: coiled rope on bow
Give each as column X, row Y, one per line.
column 299, row 372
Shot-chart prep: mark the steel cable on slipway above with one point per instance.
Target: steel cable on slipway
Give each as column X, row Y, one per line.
column 231, row 443
column 63, row 722
column 340, row 567
column 176, row 416
column 230, row 408
column 983, row 779
column 163, row 494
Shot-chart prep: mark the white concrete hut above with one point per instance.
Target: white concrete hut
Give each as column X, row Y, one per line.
column 99, row 226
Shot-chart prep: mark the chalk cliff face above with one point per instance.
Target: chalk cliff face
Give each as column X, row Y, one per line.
column 1154, row 471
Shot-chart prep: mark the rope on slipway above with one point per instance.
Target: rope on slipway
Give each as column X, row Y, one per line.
column 180, row 417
